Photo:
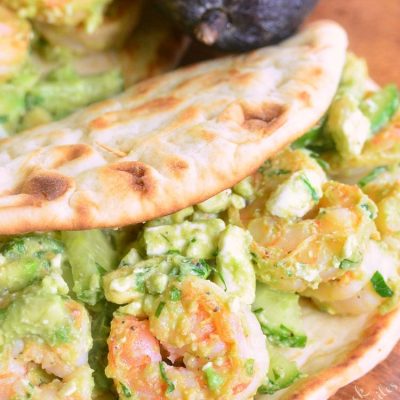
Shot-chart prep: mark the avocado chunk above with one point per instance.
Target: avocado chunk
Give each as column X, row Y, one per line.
column 348, row 126
column 131, row 283
column 102, row 314
column 191, row 239
column 64, row 91
column 297, row 195
column 280, row 316
column 281, row 372
column 91, row 254
column 238, row 25
column 40, row 311
column 27, row 259
column 381, row 106
column 235, row 270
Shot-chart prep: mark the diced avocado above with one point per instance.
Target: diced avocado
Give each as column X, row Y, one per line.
column 12, row 99
column 35, row 117
column 222, row 201
column 354, row 77
column 102, row 314
column 191, row 239
column 348, row 126
column 388, row 220
column 217, row 203
column 235, row 270
column 90, row 254
column 175, row 218
column 27, row 259
column 64, row 91
column 381, row 106
column 131, row 283
column 281, row 372
column 12, row 106
column 39, row 312
column 280, row 316
column 245, row 188
column 297, row 195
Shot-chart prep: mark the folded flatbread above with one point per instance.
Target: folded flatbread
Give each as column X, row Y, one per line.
column 340, row 350
column 170, row 141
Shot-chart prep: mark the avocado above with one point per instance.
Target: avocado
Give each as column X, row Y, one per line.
column 28, row 259
column 238, row 25
column 281, row 372
column 91, row 254
column 279, row 315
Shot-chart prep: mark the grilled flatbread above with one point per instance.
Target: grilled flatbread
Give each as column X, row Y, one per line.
column 170, row 141
column 341, row 349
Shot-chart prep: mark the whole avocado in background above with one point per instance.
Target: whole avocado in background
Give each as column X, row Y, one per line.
column 238, row 25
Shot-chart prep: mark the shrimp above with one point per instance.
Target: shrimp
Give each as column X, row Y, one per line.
column 301, row 251
column 61, row 12
column 15, row 36
column 45, row 339
column 119, row 21
column 197, row 343
column 353, row 292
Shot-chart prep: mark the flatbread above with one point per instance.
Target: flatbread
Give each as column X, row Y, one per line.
column 343, row 349
column 171, row 141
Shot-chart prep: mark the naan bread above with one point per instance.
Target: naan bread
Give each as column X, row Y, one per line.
column 171, row 141
column 339, row 351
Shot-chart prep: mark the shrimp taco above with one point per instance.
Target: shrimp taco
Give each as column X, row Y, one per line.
column 196, row 238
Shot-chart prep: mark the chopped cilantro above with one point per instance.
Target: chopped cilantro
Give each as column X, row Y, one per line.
column 214, row 380
column 163, row 373
column 126, row 392
column 249, row 366
column 159, row 309
column 346, row 264
column 175, row 294
column 311, row 189
column 380, row 286
column 371, row 176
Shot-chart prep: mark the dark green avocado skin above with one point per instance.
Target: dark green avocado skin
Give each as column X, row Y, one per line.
column 241, row 24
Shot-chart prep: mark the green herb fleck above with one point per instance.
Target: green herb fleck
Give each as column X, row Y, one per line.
column 258, row 310
column 371, row 176
column 125, row 391
column 175, row 294
column 214, row 380
column 380, row 286
column 163, row 373
column 278, row 172
column 249, row 366
column 371, row 213
column 346, row 264
column 311, row 189
column 172, row 251
column 159, row 309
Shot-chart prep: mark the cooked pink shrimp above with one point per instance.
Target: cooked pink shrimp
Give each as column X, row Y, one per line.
column 213, row 347
column 301, row 254
column 15, row 34
column 45, row 339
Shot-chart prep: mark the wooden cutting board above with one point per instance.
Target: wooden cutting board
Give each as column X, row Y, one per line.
column 374, row 31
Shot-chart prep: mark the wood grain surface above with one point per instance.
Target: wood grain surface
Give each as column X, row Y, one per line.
column 374, row 31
